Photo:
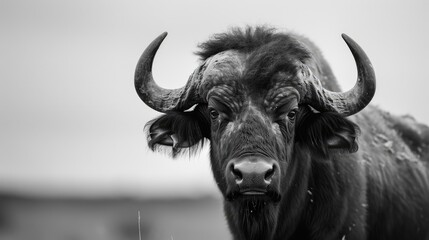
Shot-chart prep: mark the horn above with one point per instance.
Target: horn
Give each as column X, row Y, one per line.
column 352, row 101
column 156, row 97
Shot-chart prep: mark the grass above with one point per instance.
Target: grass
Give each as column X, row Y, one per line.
column 67, row 219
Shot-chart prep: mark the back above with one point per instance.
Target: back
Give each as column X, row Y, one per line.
column 396, row 160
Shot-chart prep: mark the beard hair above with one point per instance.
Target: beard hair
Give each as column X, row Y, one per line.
column 256, row 218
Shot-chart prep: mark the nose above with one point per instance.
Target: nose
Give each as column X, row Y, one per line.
column 252, row 175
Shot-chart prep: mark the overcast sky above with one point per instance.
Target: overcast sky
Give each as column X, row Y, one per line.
column 71, row 122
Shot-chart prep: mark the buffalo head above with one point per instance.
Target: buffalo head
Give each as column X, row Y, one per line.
column 262, row 104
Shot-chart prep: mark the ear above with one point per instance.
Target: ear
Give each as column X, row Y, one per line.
column 325, row 131
column 179, row 130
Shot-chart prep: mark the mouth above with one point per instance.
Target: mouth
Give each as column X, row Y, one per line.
column 253, row 193
column 271, row 196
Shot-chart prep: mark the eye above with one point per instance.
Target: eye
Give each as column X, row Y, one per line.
column 292, row 114
column 214, row 114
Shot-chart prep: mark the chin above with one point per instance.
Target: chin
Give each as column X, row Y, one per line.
column 255, row 215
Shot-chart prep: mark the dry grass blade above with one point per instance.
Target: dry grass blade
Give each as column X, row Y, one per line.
column 138, row 221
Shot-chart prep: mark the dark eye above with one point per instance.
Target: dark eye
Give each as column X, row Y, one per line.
column 214, row 114
column 292, row 114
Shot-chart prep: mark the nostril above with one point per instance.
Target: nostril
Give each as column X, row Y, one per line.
column 269, row 174
column 237, row 173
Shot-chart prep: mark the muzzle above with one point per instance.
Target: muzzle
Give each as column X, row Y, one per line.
column 253, row 176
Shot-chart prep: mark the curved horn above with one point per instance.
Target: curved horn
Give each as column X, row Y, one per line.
column 352, row 101
column 156, row 97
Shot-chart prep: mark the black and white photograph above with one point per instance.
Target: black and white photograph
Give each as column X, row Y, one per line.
column 235, row 120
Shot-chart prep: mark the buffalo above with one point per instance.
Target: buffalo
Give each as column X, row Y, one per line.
column 293, row 156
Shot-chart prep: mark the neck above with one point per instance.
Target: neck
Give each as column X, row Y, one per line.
column 317, row 199
column 296, row 198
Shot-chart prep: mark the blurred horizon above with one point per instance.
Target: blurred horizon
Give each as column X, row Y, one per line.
column 72, row 124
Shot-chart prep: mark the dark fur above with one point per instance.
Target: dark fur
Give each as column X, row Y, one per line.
column 244, row 40
column 270, row 52
column 253, row 219
column 191, row 127
column 319, row 129
column 415, row 134
column 265, row 47
column 329, row 188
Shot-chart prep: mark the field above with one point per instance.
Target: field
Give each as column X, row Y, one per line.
column 111, row 219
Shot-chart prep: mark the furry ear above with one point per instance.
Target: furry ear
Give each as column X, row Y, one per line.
column 327, row 130
column 179, row 130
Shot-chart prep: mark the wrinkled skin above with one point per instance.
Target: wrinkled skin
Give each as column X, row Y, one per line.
column 249, row 120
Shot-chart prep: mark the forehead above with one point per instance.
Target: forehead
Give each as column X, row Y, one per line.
column 225, row 65
column 241, row 74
